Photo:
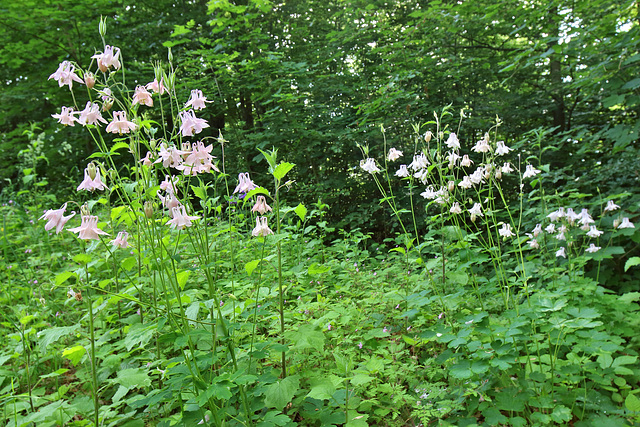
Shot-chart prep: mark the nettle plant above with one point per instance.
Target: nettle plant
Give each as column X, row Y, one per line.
column 523, row 335
column 168, row 232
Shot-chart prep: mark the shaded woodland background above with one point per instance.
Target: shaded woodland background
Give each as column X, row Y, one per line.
column 315, row 78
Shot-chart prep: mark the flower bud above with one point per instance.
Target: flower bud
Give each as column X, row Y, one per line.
column 170, row 56
column 102, row 27
column 92, row 170
column 440, row 135
column 89, row 79
column 428, row 136
column 148, row 209
column 84, row 210
column 451, row 186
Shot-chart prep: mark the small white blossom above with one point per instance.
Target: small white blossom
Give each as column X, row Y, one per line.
column 465, row 183
column 530, row 172
column 626, row 223
column 455, row 208
column 506, row 168
column 466, row 161
column 593, row 248
column 611, row 206
column 560, row 253
column 502, row 149
column 506, row 231
column 394, row 155
column 593, row 232
column 551, row 228
column 403, row 172
column 482, row 146
column 452, row 141
column 476, row 211
column 419, row 162
column 537, row 230
column 369, row 165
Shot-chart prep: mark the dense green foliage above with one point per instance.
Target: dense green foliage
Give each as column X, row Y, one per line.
column 492, row 282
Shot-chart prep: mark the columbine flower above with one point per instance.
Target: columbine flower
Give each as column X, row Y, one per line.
column 533, row 243
column 502, row 149
column 142, row 96
column 394, row 155
column 197, row 100
column 611, row 206
column 65, row 74
column 482, row 146
column 121, row 240
column 369, row 165
column 403, row 172
column 560, row 253
column 419, row 162
column 92, row 180
column 506, row 168
column 626, row 223
column 466, row 161
column 452, row 141
column 477, row 176
column 455, row 208
column 506, row 231
column 592, row 248
column 89, row 79
column 465, row 183
column 585, row 218
column 91, row 115
column 198, row 159
column 156, row 87
column 65, row 117
column 556, row 215
column 551, row 228
column 120, row 124
column 422, row 175
column 245, row 184
column 593, row 232
column 261, row 206
column 109, row 58
column 180, row 219
column 530, row 172
column 190, row 123
column 537, row 230
column 55, row 218
column 476, row 211
column 169, row 184
column 169, row 156
column 452, row 158
column 169, row 202
column 88, row 229
column 262, row 229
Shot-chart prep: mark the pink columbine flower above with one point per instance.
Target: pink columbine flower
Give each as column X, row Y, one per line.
column 198, row 159
column 142, row 96
column 169, row 156
column 245, row 185
column 262, row 229
column 92, row 180
column 157, row 87
column 91, row 115
column 169, row 202
column 65, row 74
column 66, row 116
column 55, row 218
column 89, row 79
column 121, row 240
column 261, row 205
column 120, row 124
column 109, row 58
column 180, row 219
column 191, row 124
column 88, row 229
column 197, row 101
column 169, row 184
column 394, row 155
column 369, row 165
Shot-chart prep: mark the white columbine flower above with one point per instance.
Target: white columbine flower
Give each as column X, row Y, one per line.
column 369, row 165
column 506, row 168
column 626, row 223
column 482, row 146
column 403, row 172
column 593, row 248
column 506, row 231
column 394, row 155
column 593, row 232
column 502, row 149
column 465, row 183
column 466, row 161
column 419, row 162
column 452, row 141
column 611, row 206
column 560, row 253
column 551, row 228
column 476, row 211
column 455, row 208
column 531, row 172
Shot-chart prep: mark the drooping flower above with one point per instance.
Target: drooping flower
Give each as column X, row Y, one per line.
column 506, row 168
column 422, row 175
column 89, row 79
column 65, row 75
column 556, row 215
column 142, row 96
column 455, row 208
column 369, row 165
column 551, row 228
column 594, row 232
column 477, row 176
column 452, row 158
column 169, row 202
column 55, row 218
column 502, row 149
column 592, row 248
column 506, row 231
column 626, row 223
column 92, row 180
column 198, row 160
column 452, row 141
column 190, row 123
column 394, row 154
column 121, row 240
column 120, row 124
column 88, row 229
column 169, row 156
column 530, row 172
column 585, row 218
column 482, row 146
column 261, row 229
column 157, row 87
column 537, row 230
column 533, row 243
column 560, row 253
column 169, row 184
column 66, row 116
column 261, row 205
column 476, row 211
column 245, row 183
column 466, row 161
column 109, row 58
column 180, row 219
column 419, row 162
column 197, row 101
column 465, row 183
column 91, row 115
column 403, row 172
column 611, row 206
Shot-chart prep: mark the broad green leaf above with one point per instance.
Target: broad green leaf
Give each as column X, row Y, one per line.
column 133, row 378
column 307, row 336
column 182, row 278
column 118, row 146
column 301, row 211
column 316, row 269
column 561, row 414
column 192, row 312
column 632, row 403
column 82, row 259
column 51, row 335
column 252, row 265
column 74, row 354
column 282, row 169
column 281, row 392
column 63, row 277
column 321, row 388
column 461, row 370
column 200, row 192
column 360, row 379
column 631, row 262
